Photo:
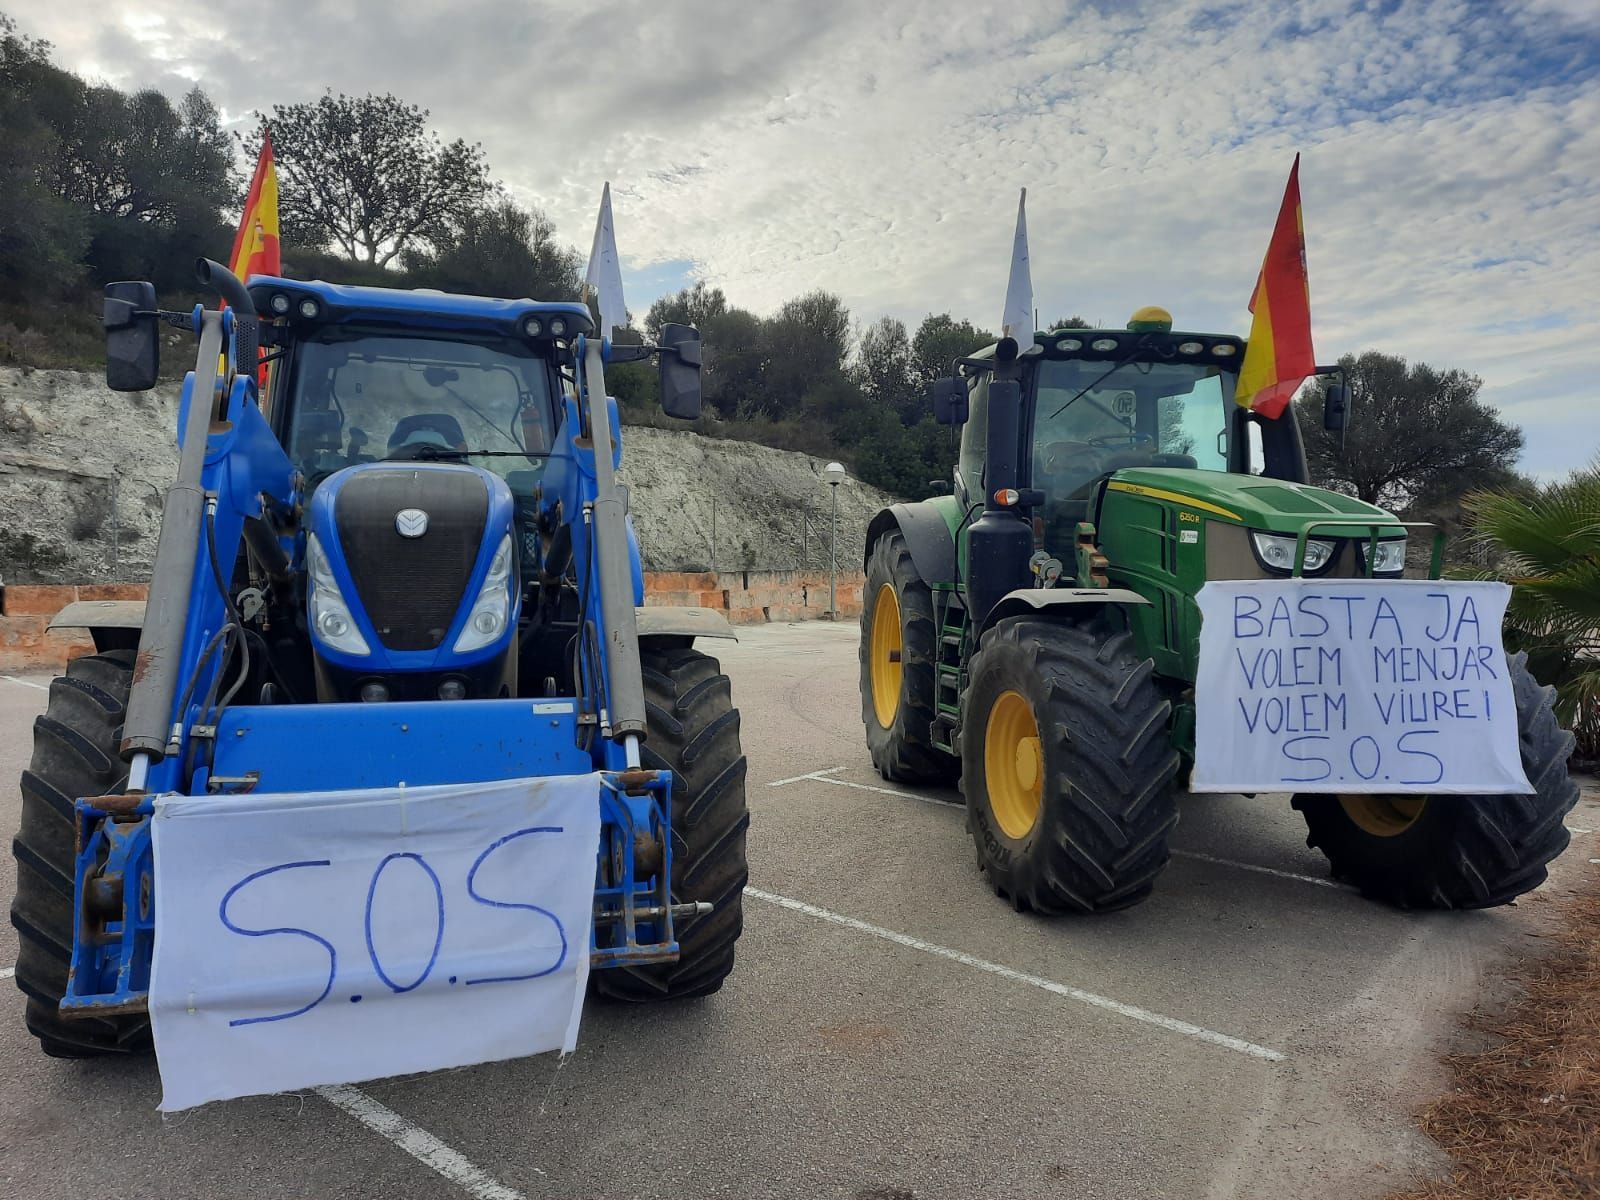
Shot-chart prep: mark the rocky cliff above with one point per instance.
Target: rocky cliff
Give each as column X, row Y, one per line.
column 83, row 471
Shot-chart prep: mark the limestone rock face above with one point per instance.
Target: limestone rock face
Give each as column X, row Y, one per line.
column 83, row 471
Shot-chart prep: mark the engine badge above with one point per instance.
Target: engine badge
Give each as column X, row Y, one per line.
column 411, row 522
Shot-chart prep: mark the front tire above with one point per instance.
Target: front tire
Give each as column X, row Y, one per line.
column 694, row 733
column 1067, row 766
column 74, row 754
column 1457, row 851
column 899, row 653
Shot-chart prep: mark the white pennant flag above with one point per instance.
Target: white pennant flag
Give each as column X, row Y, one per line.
column 604, row 278
column 1018, row 319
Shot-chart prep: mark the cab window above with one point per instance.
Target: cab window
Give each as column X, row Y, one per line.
column 367, row 396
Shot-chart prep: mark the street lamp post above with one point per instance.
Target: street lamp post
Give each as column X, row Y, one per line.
column 835, row 475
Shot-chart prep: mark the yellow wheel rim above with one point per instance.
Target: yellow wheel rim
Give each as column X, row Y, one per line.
column 1384, row 816
column 883, row 655
column 1013, row 765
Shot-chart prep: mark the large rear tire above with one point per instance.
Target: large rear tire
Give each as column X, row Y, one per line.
column 1457, row 851
column 899, row 653
column 74, row 754
column 694, row 733
column 1067, row 766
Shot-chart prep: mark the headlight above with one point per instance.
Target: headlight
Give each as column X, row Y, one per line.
column 1277, row 552
column 332, row 623
column 491, row 611
column 1390, row 558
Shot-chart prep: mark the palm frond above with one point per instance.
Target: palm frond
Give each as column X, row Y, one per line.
column 1548, row 548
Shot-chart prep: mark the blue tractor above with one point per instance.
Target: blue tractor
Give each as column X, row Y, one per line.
column 412, row 527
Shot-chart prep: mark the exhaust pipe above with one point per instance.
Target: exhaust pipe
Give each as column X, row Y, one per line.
column 246, row 339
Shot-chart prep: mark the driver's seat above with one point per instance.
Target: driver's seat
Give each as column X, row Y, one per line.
column 441, row 424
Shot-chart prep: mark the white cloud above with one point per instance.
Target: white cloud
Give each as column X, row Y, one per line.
column 1451, row 170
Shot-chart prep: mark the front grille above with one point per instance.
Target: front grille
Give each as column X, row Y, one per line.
column 412, row 588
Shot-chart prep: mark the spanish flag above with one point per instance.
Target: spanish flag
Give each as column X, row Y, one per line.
column 1279, row 356
column 255, row 246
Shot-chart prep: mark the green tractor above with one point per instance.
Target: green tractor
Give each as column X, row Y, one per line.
column 1036, row 632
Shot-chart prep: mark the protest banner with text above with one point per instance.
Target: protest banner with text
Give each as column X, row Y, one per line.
column 1354, row 685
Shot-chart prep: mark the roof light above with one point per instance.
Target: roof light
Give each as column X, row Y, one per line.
column 310, row 309
column 1224, row 349
column 1103, row 345
column 1190, row 347
column 1152, row 318
column 1069, row 343
column 533, row 327
column 279, row 305
column 558, row 326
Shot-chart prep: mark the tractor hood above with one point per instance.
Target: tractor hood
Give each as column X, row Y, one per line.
column 1267, row 504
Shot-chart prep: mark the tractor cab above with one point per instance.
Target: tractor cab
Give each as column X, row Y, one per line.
column 423, row 426
column 1098, row 402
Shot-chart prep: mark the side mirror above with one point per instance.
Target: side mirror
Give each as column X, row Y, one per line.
column 680, row 371
column 939, row 487
column 1335, row 407
column 949, row 398
column 133, row 344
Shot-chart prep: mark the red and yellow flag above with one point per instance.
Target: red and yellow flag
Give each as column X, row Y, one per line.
column 1279, row 356
column 255, row 246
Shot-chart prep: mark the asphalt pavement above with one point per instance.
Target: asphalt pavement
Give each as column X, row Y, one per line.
column 891, row 1031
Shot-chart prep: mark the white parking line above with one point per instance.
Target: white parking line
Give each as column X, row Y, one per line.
column 418, row 1143
column 1132, row 1012
column 809, row 775
column 1243, row 866
column 43, row 687
column 824, row 776
column 413, row 1139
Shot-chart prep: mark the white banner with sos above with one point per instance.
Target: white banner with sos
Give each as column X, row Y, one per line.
column 334, row 937
column 1354, row 685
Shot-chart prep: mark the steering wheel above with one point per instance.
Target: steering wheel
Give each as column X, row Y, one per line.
column 1113, row 441
column 1057, row 458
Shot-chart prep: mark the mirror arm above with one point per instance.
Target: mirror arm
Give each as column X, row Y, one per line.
column 628, row 354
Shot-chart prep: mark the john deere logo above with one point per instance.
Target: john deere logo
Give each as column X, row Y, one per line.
column 411, row 522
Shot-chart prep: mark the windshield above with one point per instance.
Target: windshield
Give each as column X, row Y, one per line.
column 1092, row 418
column 363, row 397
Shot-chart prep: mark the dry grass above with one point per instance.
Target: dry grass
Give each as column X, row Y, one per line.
column 1523, row 1120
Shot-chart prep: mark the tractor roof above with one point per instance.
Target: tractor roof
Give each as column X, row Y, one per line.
column 421, row 307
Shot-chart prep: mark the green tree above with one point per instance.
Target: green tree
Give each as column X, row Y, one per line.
column 1547, row 546
column 42, row 235
column 939, row 341
column 1413, row 430
column 806, row 342
column 500, row 249
column 1068, row 323
column 698, row 306
column 366, row 175
column 885, row 369
column 136, row 157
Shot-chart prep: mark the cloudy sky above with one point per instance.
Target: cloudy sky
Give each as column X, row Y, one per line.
column 1450, row 172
